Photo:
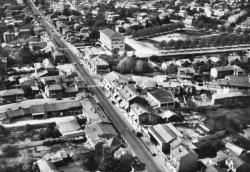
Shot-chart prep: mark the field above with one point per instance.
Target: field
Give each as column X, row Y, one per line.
column 142, row 48
column 182, row 35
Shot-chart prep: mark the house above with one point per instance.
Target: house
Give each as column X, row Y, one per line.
column 93, row 112
column 27, row 81
column 50, row 80
column 230, row 161
column 70, row 129
column 138, row 166
column 234, row 82
column 11, row 96
column 54, row 91
column 110, row 16
column 39, row 108
column 46, row 166
column 164, row 136
column 227, row 97
column 188, row 21
column 58, row 6
column 167, row 115
column 47, row 72
column 99, row 66
column 58, row 57
column 139, row 116
column 159, row 98
column 183, row 159
column 9, row 36
column 127, row 96
column 80, row 85
column 92, row 52
column 186, row 72
column 112, row 40
column 39, row 67
column 58, row 158
column 48, row 64
column 113, row 82
column 99, row 132
column 141, row 16
column 222, row 71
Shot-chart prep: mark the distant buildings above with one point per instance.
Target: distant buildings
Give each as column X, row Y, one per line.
column 39, row 109
column 112, row 40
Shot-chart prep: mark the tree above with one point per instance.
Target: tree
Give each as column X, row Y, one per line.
column 27, row 19
column 179, row 44
column 172, row 69
column 238, row 30
column 10, row 151
column 89, row 162
column 3, row 132
column 171, row 43
column 127, row 64
column 25, row 55
column 142, row 67
column 94, row 36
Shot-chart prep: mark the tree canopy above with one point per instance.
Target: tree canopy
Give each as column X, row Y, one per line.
column 25, row 55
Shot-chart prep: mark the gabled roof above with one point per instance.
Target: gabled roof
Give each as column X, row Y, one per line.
column 234, row 148
column 138, row 109
column 165, row 132
column 110, row 33
column 46, row 166
column 113, row 76
column 128, row 92
column 161, row 95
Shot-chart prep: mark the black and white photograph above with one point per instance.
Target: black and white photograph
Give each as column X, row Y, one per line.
column 124, row 85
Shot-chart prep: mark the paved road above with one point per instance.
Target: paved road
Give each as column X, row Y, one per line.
column 134, row 143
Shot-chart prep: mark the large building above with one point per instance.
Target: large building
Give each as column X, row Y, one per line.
column 112, row 39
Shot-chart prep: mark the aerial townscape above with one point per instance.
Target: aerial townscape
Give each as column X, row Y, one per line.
column 124, row 85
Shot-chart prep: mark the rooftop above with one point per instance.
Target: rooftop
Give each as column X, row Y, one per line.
column 110, row 33
column 166, row 132
column 54, row 87
column 161, row 95
column 69, row 126
column 46, row 166
column 237, row 81
column 11, row 92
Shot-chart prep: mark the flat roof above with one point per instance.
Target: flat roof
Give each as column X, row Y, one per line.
column 69, row 126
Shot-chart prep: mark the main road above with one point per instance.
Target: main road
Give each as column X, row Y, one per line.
column 129, row 136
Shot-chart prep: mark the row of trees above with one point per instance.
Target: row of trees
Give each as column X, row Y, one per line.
column 155, row 29
column 213, row 41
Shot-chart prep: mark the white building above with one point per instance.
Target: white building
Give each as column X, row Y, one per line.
column 60, row 6
column 112, row 39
